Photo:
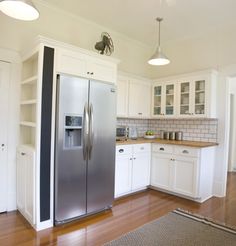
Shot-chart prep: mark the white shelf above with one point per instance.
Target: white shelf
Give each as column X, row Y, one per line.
column 30, row 80
column 28, row 123
column 28, row 102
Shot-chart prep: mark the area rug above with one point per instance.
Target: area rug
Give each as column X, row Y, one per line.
column 179, row 228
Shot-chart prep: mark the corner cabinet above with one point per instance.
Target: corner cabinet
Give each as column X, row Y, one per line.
column 132, row 172
column 185, row 96
column 184, row 171
column 133, row 97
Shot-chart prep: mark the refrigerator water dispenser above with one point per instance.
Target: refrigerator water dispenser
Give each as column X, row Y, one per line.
column 73, row 131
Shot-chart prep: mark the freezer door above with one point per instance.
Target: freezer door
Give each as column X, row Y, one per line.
column 70, row 159
column 101, row 163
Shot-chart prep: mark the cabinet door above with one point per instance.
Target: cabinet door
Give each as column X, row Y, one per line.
column 20, row 180
column 122, row 97
column 123, row 175
column 139, row 99
column 160, row 171
column 101, row 70
column 199, row 95
column 30, row 187
column 141, row 171
column 185, row 176
column 169, row 99
column 185, row 98
column 157, row 100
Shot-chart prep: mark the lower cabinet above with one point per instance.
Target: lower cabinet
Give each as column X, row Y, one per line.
column 183, row 170
column 26, row 182
column 132, row 168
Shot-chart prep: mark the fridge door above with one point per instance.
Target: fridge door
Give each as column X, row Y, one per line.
column 101, row 163
column 70, row 159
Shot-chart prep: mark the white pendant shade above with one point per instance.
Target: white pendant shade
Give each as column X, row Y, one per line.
column 158, row 58
column 19, row 9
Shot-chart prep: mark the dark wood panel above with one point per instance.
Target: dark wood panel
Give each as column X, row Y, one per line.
column 127, row 214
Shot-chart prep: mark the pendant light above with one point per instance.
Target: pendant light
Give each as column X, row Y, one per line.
column 19, row 9
column 158, row 57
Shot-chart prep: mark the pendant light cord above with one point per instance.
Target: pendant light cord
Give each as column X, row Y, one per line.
column 159, row 32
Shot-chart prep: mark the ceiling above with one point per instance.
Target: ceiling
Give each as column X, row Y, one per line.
column 136, row 18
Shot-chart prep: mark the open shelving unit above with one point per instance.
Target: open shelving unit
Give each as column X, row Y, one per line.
column 28, row 100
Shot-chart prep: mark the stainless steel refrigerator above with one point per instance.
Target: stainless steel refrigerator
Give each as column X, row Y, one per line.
column 85, row 147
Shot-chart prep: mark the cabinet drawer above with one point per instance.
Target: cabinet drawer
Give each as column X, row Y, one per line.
column 123, row 150
column 163, row 148
column 139, row 148
column 186, row 151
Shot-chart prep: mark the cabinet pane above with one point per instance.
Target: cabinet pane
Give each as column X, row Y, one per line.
column 157, row 100
column 169, row 100
column 157, row 110
column 200, row 97
column 157, row 90
column 184, row 98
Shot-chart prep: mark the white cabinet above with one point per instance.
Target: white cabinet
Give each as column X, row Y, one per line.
column 122, row 96
column 26, row 182
column 132, row 171
column 187, row 96
column 164, row 99
column 185, row 171
column 84, row 65
column 139, row 99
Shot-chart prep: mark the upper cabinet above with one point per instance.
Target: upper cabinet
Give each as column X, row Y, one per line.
column 133, row 97
column 185, row 96
column 84, row 65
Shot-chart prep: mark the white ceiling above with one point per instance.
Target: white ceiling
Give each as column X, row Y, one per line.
column 136, row 18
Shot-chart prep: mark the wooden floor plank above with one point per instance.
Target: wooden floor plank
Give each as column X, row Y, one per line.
column 127, row 214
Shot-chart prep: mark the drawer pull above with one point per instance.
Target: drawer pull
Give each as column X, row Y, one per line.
column 121, row 150
column 22, row 153
column 185, row 152
column 162, row 149
column 140, row 113
column 130, row 159
column 142, row 148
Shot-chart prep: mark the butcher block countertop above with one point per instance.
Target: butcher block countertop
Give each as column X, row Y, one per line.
column 195, row 144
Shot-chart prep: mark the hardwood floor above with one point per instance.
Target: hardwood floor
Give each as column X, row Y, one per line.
column 127, row 214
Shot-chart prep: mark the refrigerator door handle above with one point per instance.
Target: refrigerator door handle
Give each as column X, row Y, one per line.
column 91, row 133
column 85, row 131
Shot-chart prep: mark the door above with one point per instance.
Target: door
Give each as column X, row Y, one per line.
column 122, row 97
column 140, row 171
column 157, row 100
column 185, row 176
column 185, row 97
column 139, row 99
column 70, row 159
column 102, row 148
column 123, row 175
column 4, row 90
column 161, row 171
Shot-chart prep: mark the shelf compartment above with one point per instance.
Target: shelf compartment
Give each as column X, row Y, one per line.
column 28, row 123
column 30, row 80
column 28, row 102
column 27, row 135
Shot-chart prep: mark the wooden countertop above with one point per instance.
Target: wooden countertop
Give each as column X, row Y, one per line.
column 196, row 144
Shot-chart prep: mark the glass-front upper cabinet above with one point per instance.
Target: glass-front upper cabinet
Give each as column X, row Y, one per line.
column 185, row 98
column 169, row 99
column 199, row 94
column 157, row 110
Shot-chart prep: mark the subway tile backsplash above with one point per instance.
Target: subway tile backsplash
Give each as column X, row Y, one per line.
column 193, row 129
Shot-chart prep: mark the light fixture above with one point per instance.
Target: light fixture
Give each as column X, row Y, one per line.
column 158, row 57
column 19, row 9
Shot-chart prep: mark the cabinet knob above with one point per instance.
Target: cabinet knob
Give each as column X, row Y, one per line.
column 2, row 145
column 134, row 158
column 88, row 73
column 91, row 73
column 131, row 159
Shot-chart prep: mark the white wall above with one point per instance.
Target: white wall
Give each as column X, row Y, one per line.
column 13, row 126
column 62, row 26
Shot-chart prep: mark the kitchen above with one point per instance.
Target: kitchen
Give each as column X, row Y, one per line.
column 137, row 92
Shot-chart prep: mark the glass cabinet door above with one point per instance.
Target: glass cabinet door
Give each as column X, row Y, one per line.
column 185, row 98
column 157, row 100
column 199, row 104
column 169, row 99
